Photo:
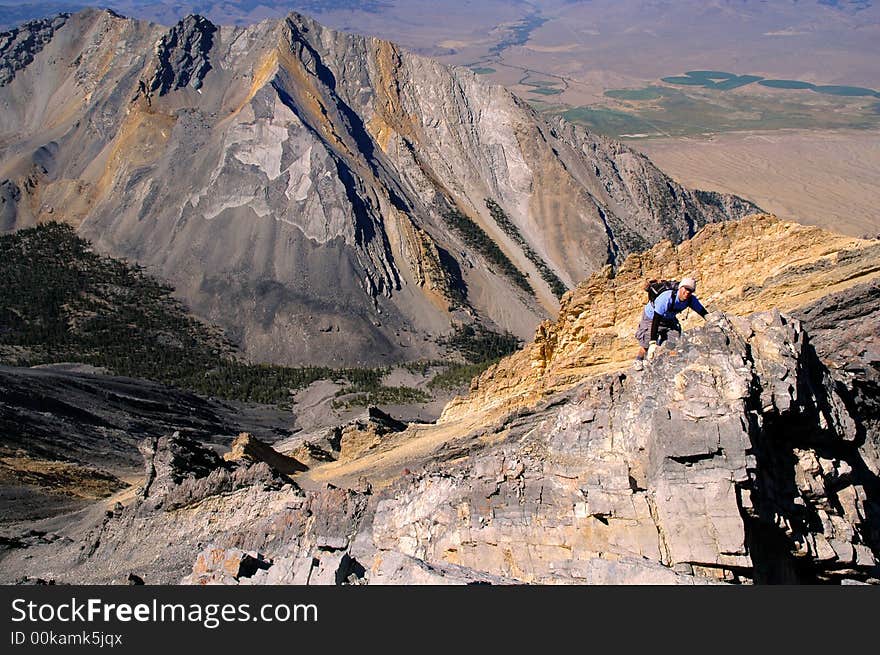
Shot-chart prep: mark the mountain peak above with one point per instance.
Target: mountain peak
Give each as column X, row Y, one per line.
column 183, row 55
column 322, row 178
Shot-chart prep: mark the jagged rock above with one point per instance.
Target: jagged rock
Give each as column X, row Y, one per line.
column 182, row 56
column 68, row 436
column 732, row 457
column 181, row 472
column 338, row 514
column 742, row 267
column 844, row 328
column 20, row 45
column 171, row 460
column 365, row 433
column 736, row 455
column 216, row 565
column 708, row 461
column 310, row 453
column 248, row 447
column 350, row 440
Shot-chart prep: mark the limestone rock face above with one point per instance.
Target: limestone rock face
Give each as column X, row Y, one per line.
column 285, row 178
column 247, row 447
column 182, row 56
column 845, row 331
column 180, row 472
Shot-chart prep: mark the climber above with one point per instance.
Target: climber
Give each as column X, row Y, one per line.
column 660, row 316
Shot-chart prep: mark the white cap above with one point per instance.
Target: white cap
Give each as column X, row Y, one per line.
column 689, row 283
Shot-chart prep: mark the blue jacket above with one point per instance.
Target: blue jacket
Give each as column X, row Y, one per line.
column 668, row 306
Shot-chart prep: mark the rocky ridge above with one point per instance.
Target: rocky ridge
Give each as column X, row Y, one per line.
column 19, row 46
column 740, row 454
column 70, row 436
column 308, row 177
column 733, row 459
column 741, row 267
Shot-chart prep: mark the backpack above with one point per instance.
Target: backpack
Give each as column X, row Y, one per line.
column 655, row 287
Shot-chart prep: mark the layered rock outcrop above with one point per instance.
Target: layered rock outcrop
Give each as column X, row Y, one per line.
column 729, row 458
column 68, row 433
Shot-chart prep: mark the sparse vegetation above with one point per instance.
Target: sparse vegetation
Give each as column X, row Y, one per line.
column 697, row 102
column 481, row 348
column 556, row 285
column 478, row 344
column 474, row 236
column 423, row 366
column 546, row 91
column 61, row 302
column 457, row 376
column 379, row 395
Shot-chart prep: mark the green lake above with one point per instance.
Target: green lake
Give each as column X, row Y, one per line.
column 786, row 84
column 723, row 81
column 845, row 90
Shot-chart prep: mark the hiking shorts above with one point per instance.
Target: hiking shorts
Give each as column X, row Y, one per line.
column 643, row 332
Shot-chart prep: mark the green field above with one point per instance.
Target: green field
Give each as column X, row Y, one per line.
column 830, row 89
column 695, row 110
column 712, row 80
column 710, row 75
column 546, row 91
column 608, row 121
column 736, row 82
column 685, row 80
column 483, row 70
column 648, row 93
column 845, row 90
